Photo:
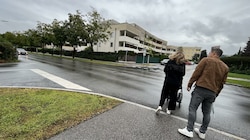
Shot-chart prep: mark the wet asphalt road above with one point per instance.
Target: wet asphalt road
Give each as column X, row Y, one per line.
column 137, row 85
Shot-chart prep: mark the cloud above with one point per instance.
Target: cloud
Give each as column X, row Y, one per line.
column 185, row 23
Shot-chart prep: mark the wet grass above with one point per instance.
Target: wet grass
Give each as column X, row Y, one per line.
column 245, row 84
column 236, row 75
column 239, row 83
column 40, row 114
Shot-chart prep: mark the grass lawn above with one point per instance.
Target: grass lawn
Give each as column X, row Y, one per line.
column 40, row 114
column 236, row 75
column 238, row 82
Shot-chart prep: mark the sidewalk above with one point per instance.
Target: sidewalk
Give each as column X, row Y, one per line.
column 132, row 122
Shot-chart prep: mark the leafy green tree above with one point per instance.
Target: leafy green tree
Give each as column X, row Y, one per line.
column 195, row 58
column 33, row 38
column 58, row 29
column 7, row 51
column 45, row 33
column 246, row 51
column 21, row 40
column 16, row 38
column 75, row 30
column 9, row 36
column 97, row 28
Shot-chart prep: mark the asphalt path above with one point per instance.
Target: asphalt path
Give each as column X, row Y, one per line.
column 141, row 86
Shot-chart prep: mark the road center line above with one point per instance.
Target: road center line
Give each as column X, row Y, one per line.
column 65, row 83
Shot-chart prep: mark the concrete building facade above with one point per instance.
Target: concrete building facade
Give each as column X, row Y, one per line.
column 189, row 52
column 131, row 37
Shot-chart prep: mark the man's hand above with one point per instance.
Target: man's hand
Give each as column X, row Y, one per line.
column 188, row 88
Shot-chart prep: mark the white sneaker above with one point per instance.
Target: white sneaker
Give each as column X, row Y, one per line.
column 168, row 112
column 158, row 110
column 201, row 135
column 185, row 132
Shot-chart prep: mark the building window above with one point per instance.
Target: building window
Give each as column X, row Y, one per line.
column 122, row 33
column 111, row 44
column 121, row 44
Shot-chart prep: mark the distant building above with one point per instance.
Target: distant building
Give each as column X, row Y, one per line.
column 131, row 37
column 189, row 52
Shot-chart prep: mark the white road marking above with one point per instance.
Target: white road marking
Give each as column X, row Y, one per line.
column 60, row 81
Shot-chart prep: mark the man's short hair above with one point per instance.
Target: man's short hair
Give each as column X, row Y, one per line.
column 217, row 50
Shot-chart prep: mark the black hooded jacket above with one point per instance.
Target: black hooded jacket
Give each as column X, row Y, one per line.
column 174, row 73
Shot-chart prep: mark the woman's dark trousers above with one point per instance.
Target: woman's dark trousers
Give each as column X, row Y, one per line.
column 171, row 92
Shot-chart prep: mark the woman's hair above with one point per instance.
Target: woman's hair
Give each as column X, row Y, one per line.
column 178, row 57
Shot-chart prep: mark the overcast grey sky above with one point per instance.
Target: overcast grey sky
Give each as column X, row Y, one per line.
column 202, row 23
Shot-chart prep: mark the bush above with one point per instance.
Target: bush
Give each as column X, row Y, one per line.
column 238, row 64
column 98, row 55
column 7, row 52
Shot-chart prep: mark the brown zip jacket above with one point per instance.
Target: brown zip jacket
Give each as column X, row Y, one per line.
column 210, row 73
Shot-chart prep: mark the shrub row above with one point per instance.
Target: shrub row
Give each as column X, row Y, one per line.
column 238, row 64
column 8, row 53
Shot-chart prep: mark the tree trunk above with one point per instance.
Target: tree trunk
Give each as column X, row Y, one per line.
column 61, row 51
column 74, row 52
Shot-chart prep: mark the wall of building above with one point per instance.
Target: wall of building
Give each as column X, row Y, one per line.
column 189, row 52
column 131, row 37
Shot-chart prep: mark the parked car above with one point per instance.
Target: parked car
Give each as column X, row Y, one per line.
column 164, row 61
column 21, row 51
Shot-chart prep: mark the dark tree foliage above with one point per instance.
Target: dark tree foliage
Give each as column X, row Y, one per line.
column 7, row 51
column 246, row 51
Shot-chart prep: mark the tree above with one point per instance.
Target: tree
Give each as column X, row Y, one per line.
column 246, row 51
column 7, row 51
column 97, row 28
column 75, row 29
column 33, row 38
column 10, row 37
column 58, row 29
column 195, row 57
column 21, row 40
column 45, row 33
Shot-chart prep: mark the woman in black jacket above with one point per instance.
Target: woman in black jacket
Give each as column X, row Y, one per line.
column 174, row 71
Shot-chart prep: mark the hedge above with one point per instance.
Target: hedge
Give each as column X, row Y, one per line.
column 8, row 53
column 238, row 64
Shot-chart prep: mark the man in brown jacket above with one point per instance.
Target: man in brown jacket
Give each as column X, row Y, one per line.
column 210, row 75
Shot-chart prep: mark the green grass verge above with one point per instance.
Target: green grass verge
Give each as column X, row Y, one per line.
column 239, row 83
column 236, row 75
column 40, row 114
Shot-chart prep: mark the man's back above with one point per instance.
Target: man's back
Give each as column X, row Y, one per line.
column 210, row 73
